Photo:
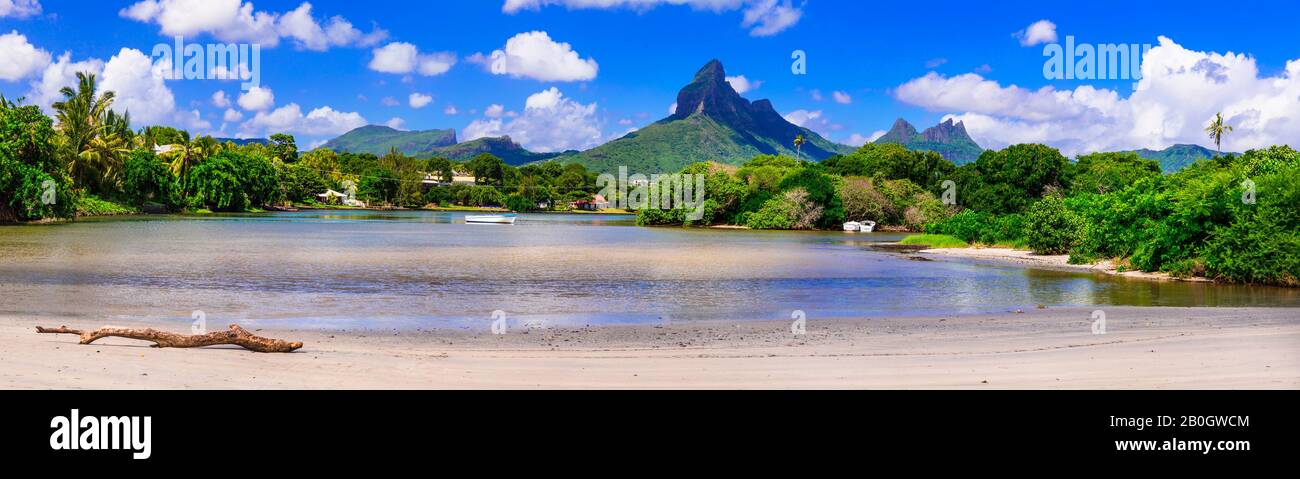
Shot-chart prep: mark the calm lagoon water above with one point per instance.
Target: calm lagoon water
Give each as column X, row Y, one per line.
column 355, row 269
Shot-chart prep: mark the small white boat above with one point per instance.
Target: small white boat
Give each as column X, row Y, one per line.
column 860, row 227
column 492, row 219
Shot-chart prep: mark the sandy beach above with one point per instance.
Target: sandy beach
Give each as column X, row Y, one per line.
column 1143, row 348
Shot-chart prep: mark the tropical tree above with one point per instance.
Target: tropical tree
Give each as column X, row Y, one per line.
column 95, row 138
column 798, row 146
column 184, row 154
column 1216, row 130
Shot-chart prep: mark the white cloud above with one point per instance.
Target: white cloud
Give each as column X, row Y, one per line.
column 550, row 122
column 742, row 84
column 816, row 95
column 494, row 111
column 289, row 119
column 18, row 58
column 450, row 110
column 140, row 90
column 813, row 120
column 842, row 98
column 859, row 140
column 534, row 55
column 220, row 100
column 672, row 109
column 19, row 8
column 1042, row 31
column 1180, row 92
column 61, row 73
column 420, row 100
column 232, row 115
column 762, row 17
column 237, row 21
column 770, row 17
column 257, row 99
column 403, row 58
column 395, row 123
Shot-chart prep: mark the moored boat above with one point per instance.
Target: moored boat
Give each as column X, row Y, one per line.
column 506, row 219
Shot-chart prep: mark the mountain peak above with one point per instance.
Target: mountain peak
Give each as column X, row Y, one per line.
column 709, row 94
column 946, row 132
column 712, row 71
column 902, row 132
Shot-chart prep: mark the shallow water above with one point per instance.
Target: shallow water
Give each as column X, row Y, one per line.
column 356, row 269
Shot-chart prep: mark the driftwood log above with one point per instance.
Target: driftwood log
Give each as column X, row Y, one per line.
column 163, row 339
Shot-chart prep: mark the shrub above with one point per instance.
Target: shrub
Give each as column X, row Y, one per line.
column 1051, row 228
column 934, row 241
column 776, row 214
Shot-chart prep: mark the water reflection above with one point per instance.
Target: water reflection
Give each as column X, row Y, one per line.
column 330, row 268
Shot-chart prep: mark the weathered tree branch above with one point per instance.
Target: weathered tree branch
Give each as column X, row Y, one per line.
column 163, row 339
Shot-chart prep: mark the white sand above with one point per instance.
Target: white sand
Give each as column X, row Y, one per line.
column 1143, row 348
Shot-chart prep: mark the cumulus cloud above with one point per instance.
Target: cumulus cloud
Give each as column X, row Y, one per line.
column 130, row 74
column 220, row 100
column 140, row 90
column 257, row 99
column 237, row 21
column 18, row 58
column 403, row 58
column 550, row 122
column 420, row 100
column 857, row 139
column 742, row 84
column 322, row 121
column 534, row 55
column 1042, row 31
column 232, row 115
column 494, row 111
column 1180, row 92
column 450, row 110
column 762, row 17
column 395, row 123
column 842, row 98
column 19, row 8
column 813, row 120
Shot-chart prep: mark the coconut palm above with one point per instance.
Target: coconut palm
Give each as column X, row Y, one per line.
column 184, row 154
column 93, row 136
column 798, row 147
column 1216, row 130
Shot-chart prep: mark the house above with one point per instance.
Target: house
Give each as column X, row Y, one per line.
column 457, row 178
column 595, row 204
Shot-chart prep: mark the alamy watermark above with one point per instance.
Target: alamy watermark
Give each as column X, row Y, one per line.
column 210, row 61
column 678, row 191
column 1086, row 61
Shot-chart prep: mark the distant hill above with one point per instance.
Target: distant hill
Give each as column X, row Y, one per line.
column 1177, row 157
column 948, row 139
column 379, row 140
column 504, row 148
column 244, row 141
column 711, row 123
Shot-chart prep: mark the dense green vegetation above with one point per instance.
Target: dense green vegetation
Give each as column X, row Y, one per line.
column 94, row 163
column 1231, row 218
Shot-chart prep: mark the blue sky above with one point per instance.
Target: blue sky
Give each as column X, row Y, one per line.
column 962, row 60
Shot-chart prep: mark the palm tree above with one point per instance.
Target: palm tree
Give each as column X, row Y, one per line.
column 94, row 136
column 184, row 154
column 798, row 147
column 1216, row 130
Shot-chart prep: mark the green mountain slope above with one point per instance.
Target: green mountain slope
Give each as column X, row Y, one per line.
column 504, row 148
column 948, row 139
column 379, row 140
column 712, row 123
column 1177, row 157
